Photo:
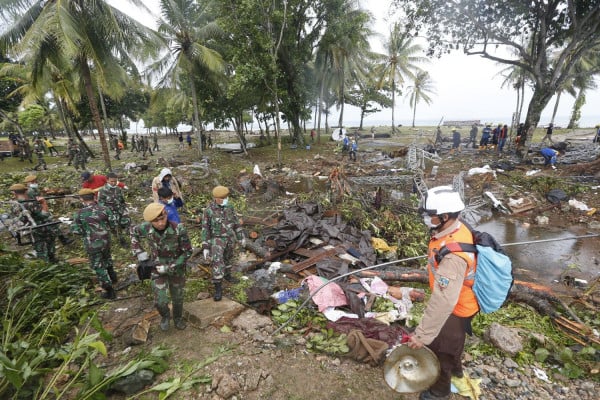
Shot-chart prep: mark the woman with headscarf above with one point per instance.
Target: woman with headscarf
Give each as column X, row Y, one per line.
column 166, row 179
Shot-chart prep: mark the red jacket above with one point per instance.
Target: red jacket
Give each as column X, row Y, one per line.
column 97, row 181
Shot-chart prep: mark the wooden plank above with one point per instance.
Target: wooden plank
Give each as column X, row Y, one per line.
column 309, row 253
column 313, row 260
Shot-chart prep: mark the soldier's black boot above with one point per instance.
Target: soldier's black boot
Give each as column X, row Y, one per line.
column 166, row 318
column 112, row 275
column 218, row 291
column 109, row 292
column 178, row 316
column 230, row 278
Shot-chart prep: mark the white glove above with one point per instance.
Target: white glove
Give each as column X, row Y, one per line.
column 243, row 242
column 143, row 256
column 162, row 269
column 206, row 253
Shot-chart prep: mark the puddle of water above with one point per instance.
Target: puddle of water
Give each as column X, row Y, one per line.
column 547, row 262
column 307, row 184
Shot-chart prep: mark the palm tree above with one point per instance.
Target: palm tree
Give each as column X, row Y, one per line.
column 399, row 62
column 516, row 78
column 348, row 53
column 421, row 88
column 187, row 27
column 340, row 53
column 97, row 40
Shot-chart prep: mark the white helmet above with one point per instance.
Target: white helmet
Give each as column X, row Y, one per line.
column 442, row 200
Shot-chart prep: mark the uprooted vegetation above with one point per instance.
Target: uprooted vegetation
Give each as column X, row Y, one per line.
column 65, row 355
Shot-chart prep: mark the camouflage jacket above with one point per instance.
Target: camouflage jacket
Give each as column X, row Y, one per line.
column 220, row 222
column 171, row 246
column 94, row 222
column 33, row 208
column 112, row 197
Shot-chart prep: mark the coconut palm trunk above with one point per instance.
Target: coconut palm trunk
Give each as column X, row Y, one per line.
column 89, row 90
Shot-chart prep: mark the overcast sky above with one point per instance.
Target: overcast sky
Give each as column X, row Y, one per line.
column 467, row 87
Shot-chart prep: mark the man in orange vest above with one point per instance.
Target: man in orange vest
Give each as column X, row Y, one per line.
column 452, row 304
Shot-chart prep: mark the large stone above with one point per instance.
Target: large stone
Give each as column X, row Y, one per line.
column 209, row 312
column 250, row 320
column 227, row 386
column 506, row 339
column 133, row 383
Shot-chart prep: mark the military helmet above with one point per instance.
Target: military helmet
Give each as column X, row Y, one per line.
column 29, row 178
column 17, row 187
column 220, row 192
column 152, row 211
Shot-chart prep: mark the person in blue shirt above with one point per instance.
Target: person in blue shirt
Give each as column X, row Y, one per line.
column 485, row 137
column 165, row 197
column 353, row 150
column 345, row 144
column 550, row 156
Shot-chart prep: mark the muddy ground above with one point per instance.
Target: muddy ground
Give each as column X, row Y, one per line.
column 258, row 365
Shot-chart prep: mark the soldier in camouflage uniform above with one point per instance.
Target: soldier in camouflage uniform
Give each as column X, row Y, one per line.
column 155, row 141
column 220, row 228
column 93, row 222
column 33, row 192
column 111, row 196
column 168, row 245
column 43, row 238
column 146, row 146
column 39, row 149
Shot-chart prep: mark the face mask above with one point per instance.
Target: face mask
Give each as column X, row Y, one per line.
column 33, row 185
column 427, row 221
column 170, row 201
column 225, row 201
column 111, row 186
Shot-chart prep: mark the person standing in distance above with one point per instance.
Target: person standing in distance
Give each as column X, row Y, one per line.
column 167, row 245
column 548, row 136
column 220, row 228
column 94, row 222
column 452, row 304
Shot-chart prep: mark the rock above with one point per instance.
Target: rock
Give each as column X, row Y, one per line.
column 203, row 296
column 250, row 320
column 227, row 386
column 513, row 382
column 253, row 379
column 506, row 339
column 509, row 363
column 133, row 383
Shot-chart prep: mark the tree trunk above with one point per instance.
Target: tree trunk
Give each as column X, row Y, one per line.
column 321, row 91
column 393, row 105
column 414, row 114
column 196, row 115
column 87, row 79
column 12, row 121
column 522, row 100
column 576, row 114
column 537, row 104
column 555, row 106
column 104, row 114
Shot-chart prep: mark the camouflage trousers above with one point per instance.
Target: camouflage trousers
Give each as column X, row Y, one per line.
column 101, row 263
column 221, row 253
column 79, row 161
column 163, row 285
column 41, row 162
column 43, row 244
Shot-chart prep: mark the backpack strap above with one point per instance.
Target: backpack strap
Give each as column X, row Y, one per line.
column 454, row 247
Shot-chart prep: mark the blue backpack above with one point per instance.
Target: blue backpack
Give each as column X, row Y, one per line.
column 493, row 276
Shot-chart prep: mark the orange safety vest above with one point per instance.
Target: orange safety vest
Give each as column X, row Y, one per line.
column 467, row 305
